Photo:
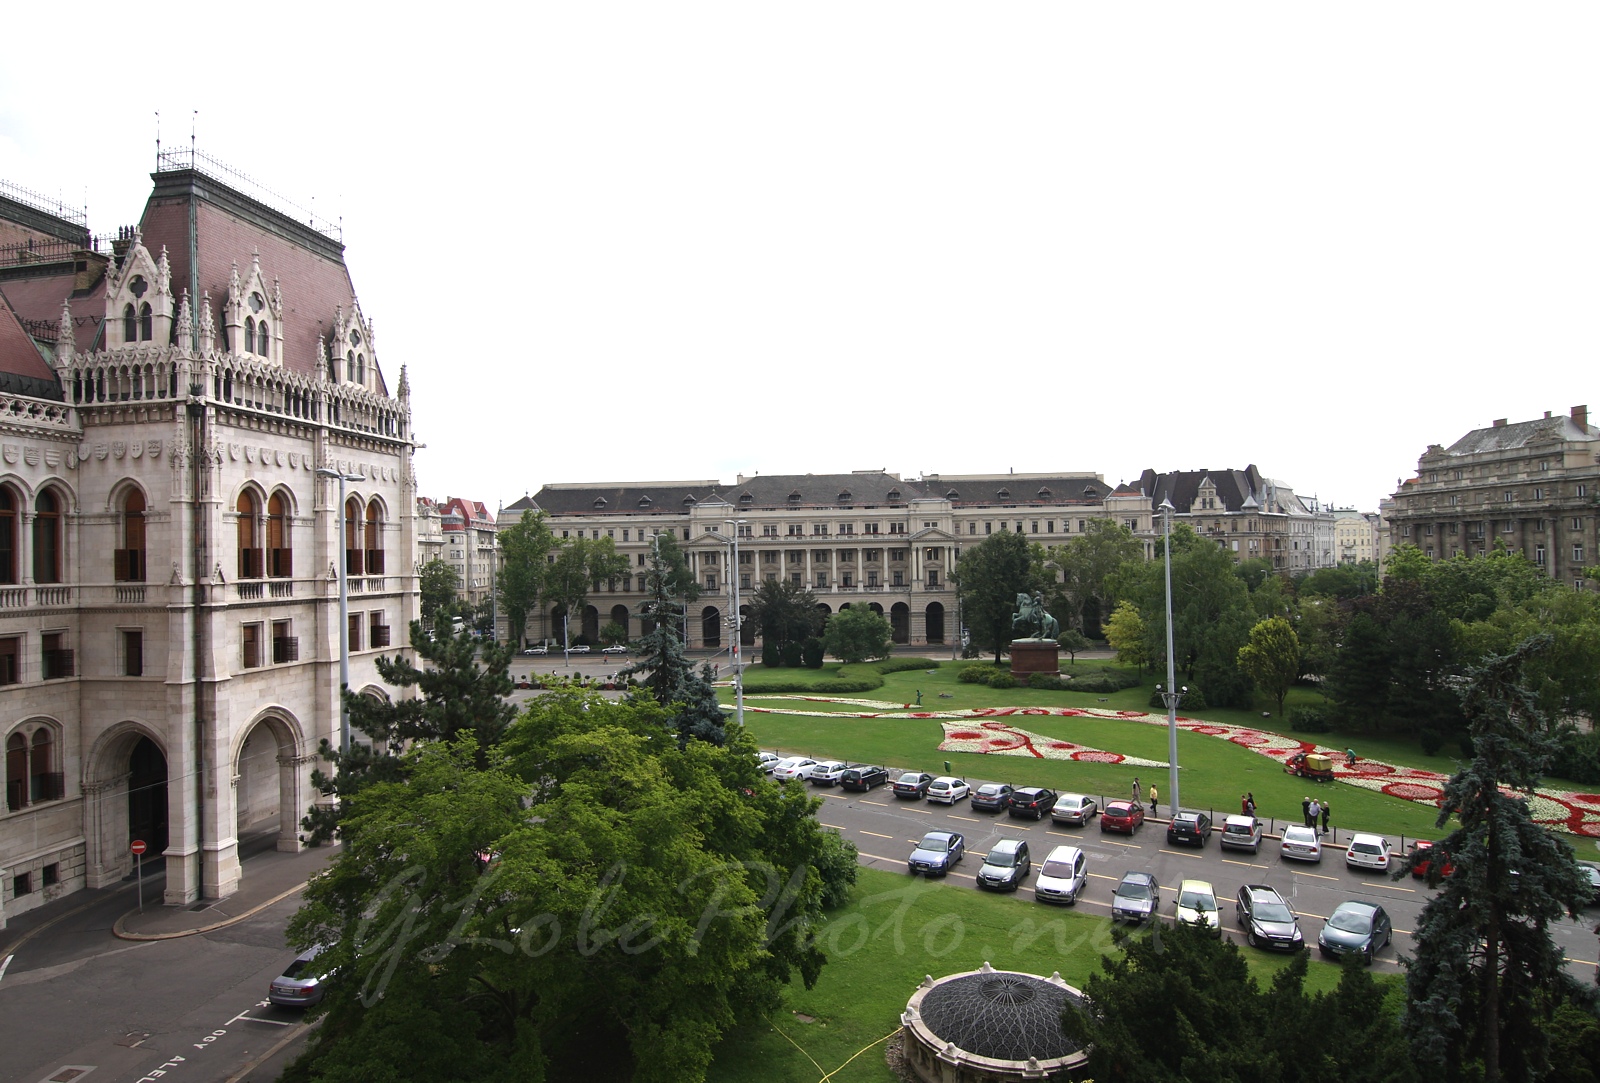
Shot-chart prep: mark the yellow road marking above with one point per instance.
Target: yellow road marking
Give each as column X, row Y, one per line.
column 875, row 835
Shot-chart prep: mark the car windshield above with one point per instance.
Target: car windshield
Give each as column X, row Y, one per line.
column 1001, row 858
column 935, row 843
column 1273, row 911
column 1351, row 921
column 1132, row 889
column 1298, row 834
column 1197, row 900
column 1062, row 870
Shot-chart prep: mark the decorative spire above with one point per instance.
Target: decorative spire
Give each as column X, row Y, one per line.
column 322, row 360
column 185, row 319
column 234, row 287
column 64, row 340
column 405, row 384
column 277, row 298
column 164, row 272
column 208, row 329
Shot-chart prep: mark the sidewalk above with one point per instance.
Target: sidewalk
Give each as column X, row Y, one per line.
column 267, row 877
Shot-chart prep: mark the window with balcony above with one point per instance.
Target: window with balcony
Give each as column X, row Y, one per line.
column 899, row 578
column 128, row 562
column 744, row 582
column 352, row 537
column 377, row 629
column 822, row 579
column 55, row 656
column 47, row 538
column 373, row 536
column 933, row 577
column 286, row 645
column 248, row 528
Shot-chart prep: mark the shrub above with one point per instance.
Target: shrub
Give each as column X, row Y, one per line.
column 792, row 658
column 1193, row 700
column 1002, row 680
column 811, row 653
column 1049, row 682
column 770, row 686
column 1310, row 718
column 900, row 665
column 978, row 673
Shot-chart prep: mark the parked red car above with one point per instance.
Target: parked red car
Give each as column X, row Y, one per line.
column 1124, row 816
column 1420, row 869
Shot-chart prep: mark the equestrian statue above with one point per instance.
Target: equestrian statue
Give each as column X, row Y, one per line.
column 1032, row 620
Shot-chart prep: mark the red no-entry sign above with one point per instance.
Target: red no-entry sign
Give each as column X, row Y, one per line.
column 136, row 846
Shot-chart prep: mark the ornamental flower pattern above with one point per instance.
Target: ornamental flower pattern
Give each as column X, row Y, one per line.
column 982, row 730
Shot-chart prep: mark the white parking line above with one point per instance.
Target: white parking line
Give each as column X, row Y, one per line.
column 875, row 835
column 969, row 819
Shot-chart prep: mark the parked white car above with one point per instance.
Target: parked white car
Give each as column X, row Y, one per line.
column 1241, row 833
column 1062, row 876
column 1197, row 902
column 768, row 760
column 827, row 772
column 947, row 790
column 1300, row 844
column 793, row 767
column 1368, row 852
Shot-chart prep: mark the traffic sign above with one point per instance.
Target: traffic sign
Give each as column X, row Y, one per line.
column 136, row 846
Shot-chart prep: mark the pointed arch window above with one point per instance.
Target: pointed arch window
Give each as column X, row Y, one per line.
column 249, row 534
column 280, row 556
column 263, row 338
column 146, row 323
column 47, row 538
column 130, row 558
column 130, row 324
column 352, row 537
column 249, row 335
column 373, row 537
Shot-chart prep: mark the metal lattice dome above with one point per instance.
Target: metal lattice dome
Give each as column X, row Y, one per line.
column 1000, row 1015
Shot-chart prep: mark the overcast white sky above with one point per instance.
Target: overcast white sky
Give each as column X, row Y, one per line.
column 629, row 241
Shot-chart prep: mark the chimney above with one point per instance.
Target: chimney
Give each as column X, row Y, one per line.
column 1580, row 417
column 1499, row 422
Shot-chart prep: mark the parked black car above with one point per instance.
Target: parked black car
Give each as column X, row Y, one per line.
column 992, row 796
column 1034, row 802
column 1268, row 922
column 1189, row 828
column 861, row 778
column 913, row 784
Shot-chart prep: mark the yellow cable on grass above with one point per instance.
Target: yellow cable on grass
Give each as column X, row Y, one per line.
column 853, row 1056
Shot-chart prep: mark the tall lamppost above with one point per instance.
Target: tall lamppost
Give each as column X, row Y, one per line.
column 738, row 625
column 344, row 606
column 1171, row 694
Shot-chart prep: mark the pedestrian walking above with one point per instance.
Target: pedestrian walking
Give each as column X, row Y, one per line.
column 1324, row 817
column 1244, row 805
column 1250, row 803
column 1305, row 811
column 1136, row 795
column 1313, row 811
column 1152, row 798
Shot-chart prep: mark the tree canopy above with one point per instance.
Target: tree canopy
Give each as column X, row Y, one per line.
column 785, row 616
column 668, row 675
column 1272, row 658
column 857, row 634
column 1089, row 563
column 525, row 548
column 989, row 576
column 581, row 563
column 440, row 585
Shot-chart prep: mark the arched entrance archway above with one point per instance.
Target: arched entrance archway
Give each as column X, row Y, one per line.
column 126, row 796
column 271, row 782
column 147, row 796
column 935, row 622
column 591, row 624
column 619, row 616
column 711, row 627
column 900, row 622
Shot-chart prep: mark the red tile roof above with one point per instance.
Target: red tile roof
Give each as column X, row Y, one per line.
column 19, row 354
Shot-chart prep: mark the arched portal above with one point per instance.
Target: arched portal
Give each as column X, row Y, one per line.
column 591, row 624
column 935, row 622
column 268, row 784
column 711, row 627
column 619, row 616
column 900, row 622
column 147, row 796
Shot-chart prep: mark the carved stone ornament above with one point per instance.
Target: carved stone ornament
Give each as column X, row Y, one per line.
column 233, row 452
column 30, row 455
column 294, row 460
column 153, row 448
column 52, row 458
column 249, row 454
column 11, row 452
column 266, row 456
column 119, row 449
column 136, row 449
column 277, row 457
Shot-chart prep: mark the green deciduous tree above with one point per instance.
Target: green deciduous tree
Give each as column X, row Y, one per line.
column 669, row 677
column 857, row 634
column 525, row 548
column 462, row 690
column 1089, row 564
column 989, row 576
column 1073, row 641
column 1125, row 633
column 1272, row 658
column 440, row 586
column 580, row 564
column 597, row 902
column 1211, row 616
column 1486, row 976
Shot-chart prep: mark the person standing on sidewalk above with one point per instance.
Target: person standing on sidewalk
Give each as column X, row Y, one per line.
column 1314, row 811
column 1305, row 811
column 1250, row 803
column 1153, row 796
column 1325, row 817
column 1137, row 796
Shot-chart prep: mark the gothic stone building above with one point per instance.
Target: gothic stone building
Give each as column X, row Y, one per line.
column 169, row 633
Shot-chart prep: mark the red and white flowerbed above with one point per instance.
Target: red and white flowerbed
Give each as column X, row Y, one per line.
column 984, row 730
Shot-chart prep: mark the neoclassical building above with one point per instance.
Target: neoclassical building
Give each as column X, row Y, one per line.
column 169, row 548
column 1531, row 486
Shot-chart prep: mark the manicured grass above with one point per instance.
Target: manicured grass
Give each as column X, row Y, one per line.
column 898, row 929
column 1214, row 773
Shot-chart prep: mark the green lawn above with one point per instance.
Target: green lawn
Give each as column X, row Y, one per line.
column 898, row 929
column 1214, row 773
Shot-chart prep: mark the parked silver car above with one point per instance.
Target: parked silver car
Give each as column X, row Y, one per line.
column 1075, row 809
column 301, row 983
column 1062, row 876
column 1241, row 833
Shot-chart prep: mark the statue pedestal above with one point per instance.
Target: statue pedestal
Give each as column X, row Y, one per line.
column 1035, row 656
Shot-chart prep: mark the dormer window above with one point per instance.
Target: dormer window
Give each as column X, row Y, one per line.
column 844, row 497
column 952, row 495
column 1044, row 493
column 599, row 502
column 794, row 497
column 644, row 501
column 1088, row 491
column 688, row 500
column 894, row 495
column 1004, row 494
column 746, row 498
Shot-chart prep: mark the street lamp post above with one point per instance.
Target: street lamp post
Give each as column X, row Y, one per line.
column 344, row 607
column 1171, row 694
column 738, row 623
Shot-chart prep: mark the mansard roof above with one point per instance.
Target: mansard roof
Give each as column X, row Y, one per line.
column 36, row 292
column 23, row 367
column 1521, row 434
column 1018, row 489
column 760, row 491
column 1234, row 488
